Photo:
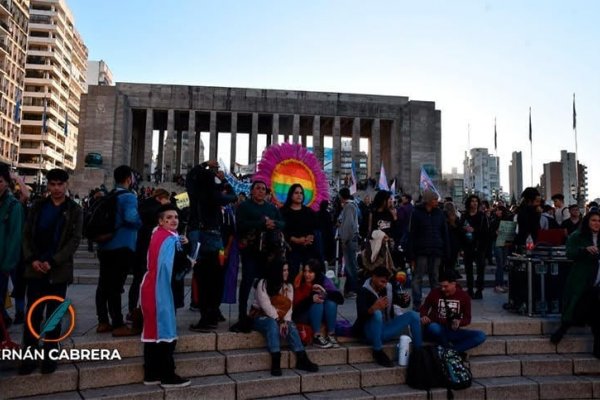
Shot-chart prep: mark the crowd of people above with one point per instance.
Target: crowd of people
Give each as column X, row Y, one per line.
column 285, row 254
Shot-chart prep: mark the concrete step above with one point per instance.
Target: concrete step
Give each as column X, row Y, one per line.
column 340, row 382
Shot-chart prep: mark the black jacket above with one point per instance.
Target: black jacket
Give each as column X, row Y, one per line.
column 428, row 233
column 61, row 270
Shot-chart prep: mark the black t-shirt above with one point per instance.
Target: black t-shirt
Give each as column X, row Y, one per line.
column 570, row 226
column 298, row 223
column 382, row 220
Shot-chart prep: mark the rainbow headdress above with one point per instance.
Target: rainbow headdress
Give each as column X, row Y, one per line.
column 284, row 164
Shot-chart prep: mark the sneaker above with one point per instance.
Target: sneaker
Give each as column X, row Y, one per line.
column 48, row 366
column 27, row 367
column 350, row 295
column 333, row 341
column 104, row 327
column 175, row 381
column 203, row 326
column 382, row 359
column 194, row 308
column 478, row 295
column 320, row 341
column 499, row 289
column 149, row 381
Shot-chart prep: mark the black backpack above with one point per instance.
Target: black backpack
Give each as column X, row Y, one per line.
column 435, row 366
column 100, row 224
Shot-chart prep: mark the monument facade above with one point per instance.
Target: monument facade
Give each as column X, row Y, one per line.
column 161, row 130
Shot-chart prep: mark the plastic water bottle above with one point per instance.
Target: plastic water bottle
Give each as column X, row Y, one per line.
column 404, row 350
column 468, row 235
column 529, row 245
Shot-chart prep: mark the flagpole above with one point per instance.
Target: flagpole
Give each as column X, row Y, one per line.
column 576, row 152
column 530, row 148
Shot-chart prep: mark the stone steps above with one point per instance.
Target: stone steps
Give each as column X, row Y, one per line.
column 349, row 367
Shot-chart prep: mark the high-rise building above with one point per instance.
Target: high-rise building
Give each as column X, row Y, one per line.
column 14, row 16
column 481, row 174
column 54, row 81
column 515, row 176
column 98, row 73
column 551, row 181
column 560, row 177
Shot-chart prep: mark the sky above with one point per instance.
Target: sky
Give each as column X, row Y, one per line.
column 477, row 60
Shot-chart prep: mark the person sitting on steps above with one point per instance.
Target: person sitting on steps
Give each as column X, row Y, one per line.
column 272, row 314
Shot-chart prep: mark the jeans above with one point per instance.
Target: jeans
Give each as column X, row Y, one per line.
column 429, row 265
column 377, row 331
column 250, row 268
column 349, row 248
column 319, row 312
column 500, row 254
column 36, row 289
column 460, row 340
column 270, row 329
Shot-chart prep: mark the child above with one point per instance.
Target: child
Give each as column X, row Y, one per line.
column 166, row 260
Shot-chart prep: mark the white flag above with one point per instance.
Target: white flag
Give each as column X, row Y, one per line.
column 383, row 184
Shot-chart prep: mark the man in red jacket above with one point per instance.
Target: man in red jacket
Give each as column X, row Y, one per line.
column 447, row 309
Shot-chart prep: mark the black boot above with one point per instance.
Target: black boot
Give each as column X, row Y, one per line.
column 276, row 364
column 557, row 336
column 304, row 364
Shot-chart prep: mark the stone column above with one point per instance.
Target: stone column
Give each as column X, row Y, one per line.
column 160, row 159
column 317, row 145
column 337, row 150
column 275, row 129
column 193, row 139
column 295, row 129
column 355, row 140
column 178, row 152
column 212, row 153
column 234, row 121
column 375, row 156
column 253, row 139
column 169, row 144
column 148, row 144
column 396, row 149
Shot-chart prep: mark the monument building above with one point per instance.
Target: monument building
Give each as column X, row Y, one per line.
column 163, row 130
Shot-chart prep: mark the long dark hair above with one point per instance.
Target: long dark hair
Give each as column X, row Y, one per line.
column 585, row 224
column 315, row 266
column 288, row 200
column 274, row 278
column 380, row 200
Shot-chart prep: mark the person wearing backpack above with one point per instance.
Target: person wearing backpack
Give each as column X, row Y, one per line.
column 445, row 313
column 51, row 237
column 116, row 257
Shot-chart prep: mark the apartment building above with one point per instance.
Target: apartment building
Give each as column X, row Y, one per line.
column 55, row 78
column 14, row 16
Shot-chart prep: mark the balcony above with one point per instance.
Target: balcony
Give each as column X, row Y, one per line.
column 5, row 8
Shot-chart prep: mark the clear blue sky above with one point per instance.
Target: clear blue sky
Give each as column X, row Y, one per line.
column 476, row 59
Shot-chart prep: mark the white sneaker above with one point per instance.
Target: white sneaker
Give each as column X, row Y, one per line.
column 320, row 341
column 333, row 342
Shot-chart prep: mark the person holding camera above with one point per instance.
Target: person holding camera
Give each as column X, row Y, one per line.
column 444, row 314
column 377, row 320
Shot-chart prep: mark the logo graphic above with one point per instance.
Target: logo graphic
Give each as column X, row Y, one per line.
column 54, row 320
